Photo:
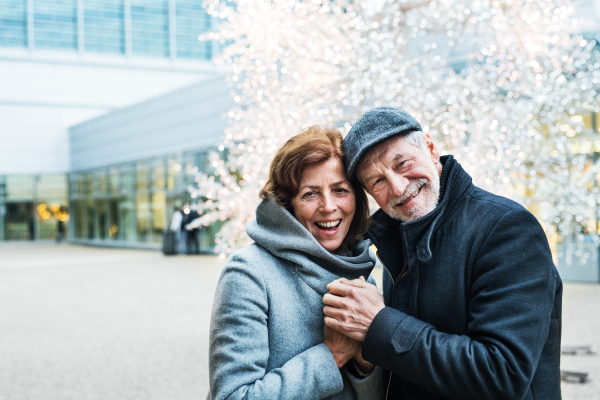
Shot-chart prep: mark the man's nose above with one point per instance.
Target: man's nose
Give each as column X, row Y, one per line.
column 398, row 185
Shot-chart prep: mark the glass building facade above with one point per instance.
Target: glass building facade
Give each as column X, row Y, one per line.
column 152, row 28
column 131, row 204
column 33, row 207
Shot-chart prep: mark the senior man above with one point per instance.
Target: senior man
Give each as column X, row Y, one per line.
column 471, row 305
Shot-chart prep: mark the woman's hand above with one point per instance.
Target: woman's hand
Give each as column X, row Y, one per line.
column 351, row 306
column 342, row 347
column 364, row 365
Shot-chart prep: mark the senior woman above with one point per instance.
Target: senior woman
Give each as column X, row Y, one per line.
column 267, row 336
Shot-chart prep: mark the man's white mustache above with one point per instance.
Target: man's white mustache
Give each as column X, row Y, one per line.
column 410, row 191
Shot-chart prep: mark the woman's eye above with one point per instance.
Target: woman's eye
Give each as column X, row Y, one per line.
column 308, row 195
column 341, row 190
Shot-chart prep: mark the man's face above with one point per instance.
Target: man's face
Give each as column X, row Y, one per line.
column 403, row 178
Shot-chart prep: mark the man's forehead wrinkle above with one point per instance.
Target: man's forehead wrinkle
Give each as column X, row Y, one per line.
column 377, row 152
column 365, row 162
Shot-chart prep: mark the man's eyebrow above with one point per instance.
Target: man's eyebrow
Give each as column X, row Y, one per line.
column 397, row 157
column 367, row 179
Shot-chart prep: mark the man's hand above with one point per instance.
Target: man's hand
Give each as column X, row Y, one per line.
column 351, row 306
column 341, row 346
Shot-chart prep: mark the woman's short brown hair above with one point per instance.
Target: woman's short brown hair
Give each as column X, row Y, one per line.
column 313, row 145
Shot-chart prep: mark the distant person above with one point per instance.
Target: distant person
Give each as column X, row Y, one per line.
column 192, row 229
column 60, row 231
column 177, row 225
column 31, row 229
column 267, row 336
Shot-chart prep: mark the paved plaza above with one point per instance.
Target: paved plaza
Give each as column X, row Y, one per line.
column 86, row 323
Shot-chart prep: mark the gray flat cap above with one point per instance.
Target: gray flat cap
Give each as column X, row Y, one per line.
column 372, row 128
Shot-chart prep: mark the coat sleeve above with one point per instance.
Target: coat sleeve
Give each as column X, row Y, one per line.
column 239, row 346
column 371, row 387
column 510, row 306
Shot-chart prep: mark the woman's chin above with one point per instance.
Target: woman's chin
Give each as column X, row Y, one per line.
column 332, row 244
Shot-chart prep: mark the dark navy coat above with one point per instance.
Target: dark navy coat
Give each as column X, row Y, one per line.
column 473, row 300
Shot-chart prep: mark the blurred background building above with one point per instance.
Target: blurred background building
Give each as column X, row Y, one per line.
column 131, row 168
column 64, row 62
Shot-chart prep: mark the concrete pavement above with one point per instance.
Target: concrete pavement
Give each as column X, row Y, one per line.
column 581, row 327
column 88, row 323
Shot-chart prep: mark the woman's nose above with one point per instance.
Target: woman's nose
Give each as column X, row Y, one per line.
column 328, row 204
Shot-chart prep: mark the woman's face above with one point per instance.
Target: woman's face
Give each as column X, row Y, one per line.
column 325, row 203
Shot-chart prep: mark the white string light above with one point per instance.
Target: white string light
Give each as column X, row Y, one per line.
column 507, row 87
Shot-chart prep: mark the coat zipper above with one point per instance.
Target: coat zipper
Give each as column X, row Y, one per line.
column 387, row 391
column 388, row 271
column 402, row 273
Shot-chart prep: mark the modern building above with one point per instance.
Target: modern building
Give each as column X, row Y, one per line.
column 64, row 62
column 131, row 168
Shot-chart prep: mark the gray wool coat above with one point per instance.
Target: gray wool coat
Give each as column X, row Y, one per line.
column 266, row 330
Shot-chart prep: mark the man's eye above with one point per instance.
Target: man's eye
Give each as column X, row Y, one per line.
column 401, row 164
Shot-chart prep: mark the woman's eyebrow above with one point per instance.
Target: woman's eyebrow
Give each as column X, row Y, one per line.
column 338, row 183
column 310, row 187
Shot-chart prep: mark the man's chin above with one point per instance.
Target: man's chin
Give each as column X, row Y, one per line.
column 410, row 215
column 397, row 215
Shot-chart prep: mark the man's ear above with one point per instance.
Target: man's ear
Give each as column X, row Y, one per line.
column 432, row 148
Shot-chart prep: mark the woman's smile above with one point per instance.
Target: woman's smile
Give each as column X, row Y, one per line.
column 329, row 228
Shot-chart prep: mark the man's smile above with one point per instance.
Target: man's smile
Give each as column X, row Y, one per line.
column 410, row 197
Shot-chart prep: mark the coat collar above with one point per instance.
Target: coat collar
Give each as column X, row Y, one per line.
column 415, row 236
column 280, row 233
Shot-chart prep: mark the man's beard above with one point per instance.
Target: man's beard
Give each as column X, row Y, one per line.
column 428, row 199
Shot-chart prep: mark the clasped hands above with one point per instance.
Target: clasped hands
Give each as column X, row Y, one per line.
column 350, row 307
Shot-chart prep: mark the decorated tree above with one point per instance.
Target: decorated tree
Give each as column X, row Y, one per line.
column 507, row 87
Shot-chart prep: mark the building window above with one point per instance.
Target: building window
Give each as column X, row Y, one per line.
column 55, row 24
column 33, row 207
column 104, row 26
column 191, row 21
column 13, row 23
column 150, row 27
column 134, row 202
